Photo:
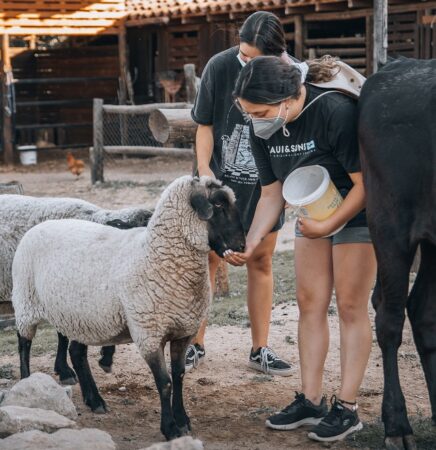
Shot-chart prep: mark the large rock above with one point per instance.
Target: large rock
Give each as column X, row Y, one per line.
column 183, row 443
column 41, row 391
column 16, row 419
column 86, row 439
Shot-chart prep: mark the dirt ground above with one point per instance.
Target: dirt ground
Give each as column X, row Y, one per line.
column 227, row 402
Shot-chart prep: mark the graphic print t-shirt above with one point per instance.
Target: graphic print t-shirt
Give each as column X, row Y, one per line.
column 232, row 158
column 325, row 134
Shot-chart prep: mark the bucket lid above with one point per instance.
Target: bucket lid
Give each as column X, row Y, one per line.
column 305, row 185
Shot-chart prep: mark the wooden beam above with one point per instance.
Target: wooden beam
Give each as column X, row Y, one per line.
column 331, row 6
column 299, row 38
column 429, row 20
column 6, row 58
column 380, row 33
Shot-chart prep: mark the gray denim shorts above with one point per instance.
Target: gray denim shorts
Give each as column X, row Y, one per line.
column 350, row 235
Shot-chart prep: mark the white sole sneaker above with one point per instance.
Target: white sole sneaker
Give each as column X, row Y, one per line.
column 339, row 437
column 294, row 425
column 281, row 373
column 189, row 367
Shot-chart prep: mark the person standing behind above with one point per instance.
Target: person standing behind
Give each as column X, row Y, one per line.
column 223, row 151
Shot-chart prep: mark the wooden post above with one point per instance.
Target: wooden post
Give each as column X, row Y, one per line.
column 190, row 82
column 97, row 152
column 380, row 33
column 172, row 125
column 7, row 80
column 222, row 280
column 299, row 38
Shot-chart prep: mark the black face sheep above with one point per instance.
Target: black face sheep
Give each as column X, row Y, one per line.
column 98, row 285
column 19, row 213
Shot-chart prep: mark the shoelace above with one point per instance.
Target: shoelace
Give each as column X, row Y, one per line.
column 299, row 398
column 264, row 353
column 196, row 355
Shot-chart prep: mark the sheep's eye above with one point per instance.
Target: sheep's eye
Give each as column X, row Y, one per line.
column 219, row 205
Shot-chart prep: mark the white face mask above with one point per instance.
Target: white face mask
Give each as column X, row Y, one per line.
column 265, row 128
column 242, row 62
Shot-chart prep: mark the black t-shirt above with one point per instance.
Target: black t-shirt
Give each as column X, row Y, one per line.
column 325, row 134
column 232, row 159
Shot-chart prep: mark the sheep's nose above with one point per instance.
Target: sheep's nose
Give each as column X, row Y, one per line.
column 242, row 248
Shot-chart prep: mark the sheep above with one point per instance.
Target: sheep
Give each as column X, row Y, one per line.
column 19, row 213
column 99, row 285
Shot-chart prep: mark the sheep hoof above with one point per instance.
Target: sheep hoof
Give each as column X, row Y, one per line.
column 184, row 430
column 401, row 443
column 71, row 381
column 107, row 369
column 100, row 410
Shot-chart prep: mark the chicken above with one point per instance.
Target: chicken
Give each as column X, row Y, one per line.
column 75, row 166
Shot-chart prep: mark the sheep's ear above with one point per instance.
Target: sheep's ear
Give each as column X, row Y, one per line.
column 117, row 223
column 201, row 205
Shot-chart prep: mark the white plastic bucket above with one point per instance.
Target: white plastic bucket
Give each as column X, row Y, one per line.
column 310, row 191
column 28, row 154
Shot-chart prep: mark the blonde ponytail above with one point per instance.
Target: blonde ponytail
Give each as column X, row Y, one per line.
column 322, row 69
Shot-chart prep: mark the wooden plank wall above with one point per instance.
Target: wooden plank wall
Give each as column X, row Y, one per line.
column 61, row 17
column 57, row 86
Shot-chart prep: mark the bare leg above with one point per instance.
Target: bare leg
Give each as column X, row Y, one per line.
column 91, row 396
column 354, row 268
column 61, row 367
column 214, row 261
column 260, row 290
column 314, row 275
column 178, row 351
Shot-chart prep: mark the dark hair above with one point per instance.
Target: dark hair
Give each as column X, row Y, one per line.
column 264, row 31
column 268, row 80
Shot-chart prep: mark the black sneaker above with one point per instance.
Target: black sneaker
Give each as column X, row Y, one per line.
column 300, row 412
column 266, row 361
column 337, row 424
column 195, row 354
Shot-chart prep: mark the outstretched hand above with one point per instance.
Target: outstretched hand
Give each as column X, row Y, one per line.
column 238, row 258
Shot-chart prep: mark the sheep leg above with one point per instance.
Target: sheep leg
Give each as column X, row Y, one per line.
column 156, row 362
column 106, row 360
column 24, row 345
column 178, row 357
column 91, row 397
column 61, row 368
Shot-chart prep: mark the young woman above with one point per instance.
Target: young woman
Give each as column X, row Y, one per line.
column 295, row 124
column 223, row 151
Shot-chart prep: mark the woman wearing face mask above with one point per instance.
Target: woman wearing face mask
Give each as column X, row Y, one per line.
column 223, row 151
column 295, row 124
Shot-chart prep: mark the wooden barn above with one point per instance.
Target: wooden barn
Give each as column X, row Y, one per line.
column 59, row 54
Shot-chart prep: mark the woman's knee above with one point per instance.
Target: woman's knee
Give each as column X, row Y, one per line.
column 261, row 264
column 351, row 310
column 312, row 305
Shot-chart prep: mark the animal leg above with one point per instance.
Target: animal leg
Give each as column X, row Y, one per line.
column 106, row 360
column 389, row 300
column 156, row 361
column 421, row 309
column 91, row 396
column 61, row 368
column 24, row 345
column 178, row 357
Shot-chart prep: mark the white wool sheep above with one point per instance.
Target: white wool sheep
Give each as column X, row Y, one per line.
column 98, row 285
column 19, row 213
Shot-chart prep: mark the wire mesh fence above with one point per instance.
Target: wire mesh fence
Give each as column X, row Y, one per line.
column 122, row 131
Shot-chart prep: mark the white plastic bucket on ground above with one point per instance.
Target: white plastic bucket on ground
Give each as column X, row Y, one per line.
column 28, row 154
column 310, row 191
